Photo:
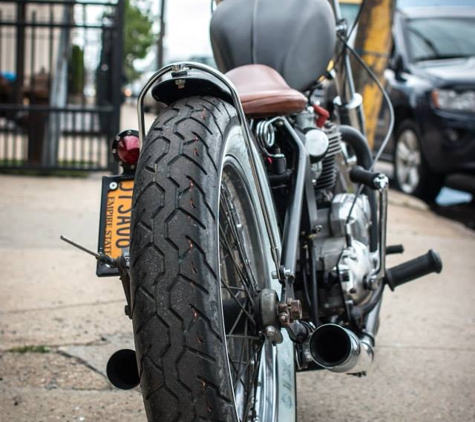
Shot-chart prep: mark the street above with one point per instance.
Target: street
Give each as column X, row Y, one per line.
column 59, row 323
column 71, row 73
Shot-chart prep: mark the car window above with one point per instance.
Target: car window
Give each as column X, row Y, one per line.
column 440, row 38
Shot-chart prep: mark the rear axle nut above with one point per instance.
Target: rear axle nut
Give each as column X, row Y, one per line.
column 295, row 309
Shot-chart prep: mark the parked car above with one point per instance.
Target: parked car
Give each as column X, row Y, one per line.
column 431, row 83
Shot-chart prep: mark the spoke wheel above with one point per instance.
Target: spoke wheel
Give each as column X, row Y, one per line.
column 200, row 255
column 242, row 278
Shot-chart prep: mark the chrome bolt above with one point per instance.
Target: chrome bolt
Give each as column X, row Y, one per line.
column 113, row 186
column 372, row 283
column 270, row 333
column 273, row 334
column 382, row 181
column 180, row 83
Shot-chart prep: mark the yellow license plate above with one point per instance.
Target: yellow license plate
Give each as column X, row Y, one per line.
column 114, row 230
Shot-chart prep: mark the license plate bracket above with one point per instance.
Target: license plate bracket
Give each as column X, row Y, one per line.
column 115, row 218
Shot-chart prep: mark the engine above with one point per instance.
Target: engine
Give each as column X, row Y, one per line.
column 343, row 265
column 332, row 237
column 344, row 261
column 340, row 256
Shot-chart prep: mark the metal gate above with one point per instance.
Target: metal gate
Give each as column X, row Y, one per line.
column 60, row 83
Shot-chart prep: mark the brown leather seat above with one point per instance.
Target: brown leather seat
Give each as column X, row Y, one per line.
column 264, row 92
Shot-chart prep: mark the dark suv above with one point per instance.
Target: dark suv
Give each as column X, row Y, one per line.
column 431, row 83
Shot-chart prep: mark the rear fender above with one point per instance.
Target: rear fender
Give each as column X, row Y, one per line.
column 187, row 79
column 175, row 87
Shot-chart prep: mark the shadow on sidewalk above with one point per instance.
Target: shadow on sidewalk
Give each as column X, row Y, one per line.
column 463, row 213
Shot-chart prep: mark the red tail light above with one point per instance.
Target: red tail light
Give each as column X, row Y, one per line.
column 126, row 148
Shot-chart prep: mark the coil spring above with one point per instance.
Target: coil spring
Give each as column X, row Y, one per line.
column 265, row 133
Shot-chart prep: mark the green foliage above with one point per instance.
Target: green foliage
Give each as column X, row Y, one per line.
column 138, row 34
column 76, row 71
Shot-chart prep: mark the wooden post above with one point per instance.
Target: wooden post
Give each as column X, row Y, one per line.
column 373, row 42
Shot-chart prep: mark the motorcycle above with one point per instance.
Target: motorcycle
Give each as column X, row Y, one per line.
column 248, row 228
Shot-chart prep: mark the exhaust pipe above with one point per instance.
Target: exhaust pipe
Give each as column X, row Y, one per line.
column 122, row 369
column 339, row 350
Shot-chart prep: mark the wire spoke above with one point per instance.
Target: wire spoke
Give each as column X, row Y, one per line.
column 241, row 373
column 239, row 285
column 245, row 288
column 254, row 377
column 251, row 318
column 230, row 334
column 238, row 242
column 244, row 343
column 230, row 255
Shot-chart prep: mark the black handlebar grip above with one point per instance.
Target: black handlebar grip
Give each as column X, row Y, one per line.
column 393, row 249
column 360, row 175
column 415, row 268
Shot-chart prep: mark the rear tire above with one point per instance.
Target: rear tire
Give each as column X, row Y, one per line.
column 199, row 256
column 412, row 174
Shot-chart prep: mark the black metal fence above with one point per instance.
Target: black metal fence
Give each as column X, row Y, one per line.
column 60, row 83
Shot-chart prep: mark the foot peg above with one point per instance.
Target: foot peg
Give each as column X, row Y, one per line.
column 415, row 268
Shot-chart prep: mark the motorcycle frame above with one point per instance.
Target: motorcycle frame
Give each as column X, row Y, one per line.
column 285, row 260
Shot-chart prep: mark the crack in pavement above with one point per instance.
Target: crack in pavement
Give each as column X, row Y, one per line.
column 55, row 307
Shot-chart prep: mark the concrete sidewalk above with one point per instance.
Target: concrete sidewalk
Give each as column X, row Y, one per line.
column 51, row 299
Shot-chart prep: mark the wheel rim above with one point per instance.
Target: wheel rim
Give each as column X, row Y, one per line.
column 408, row 161
column 251, row 359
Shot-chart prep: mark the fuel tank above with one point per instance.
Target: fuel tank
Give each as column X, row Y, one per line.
column 295, row 37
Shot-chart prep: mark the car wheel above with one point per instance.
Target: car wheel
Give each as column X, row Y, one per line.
column 411, row 173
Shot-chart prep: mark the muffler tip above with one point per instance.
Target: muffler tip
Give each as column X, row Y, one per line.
column 330, row 346
column 122, row 369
